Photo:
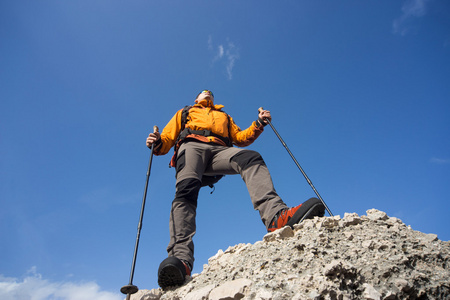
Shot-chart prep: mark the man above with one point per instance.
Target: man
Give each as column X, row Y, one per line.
column 203, row 136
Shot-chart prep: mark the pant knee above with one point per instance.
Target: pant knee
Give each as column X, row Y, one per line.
column 187, row 191
column 248, row 158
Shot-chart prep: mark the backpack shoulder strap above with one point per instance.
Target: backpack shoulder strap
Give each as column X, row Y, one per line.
column 184, row 116
column 229, row 126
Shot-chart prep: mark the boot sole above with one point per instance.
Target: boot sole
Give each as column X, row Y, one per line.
column 311, row 208
column 171, row 274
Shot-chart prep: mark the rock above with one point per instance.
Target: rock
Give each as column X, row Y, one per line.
column 428, row 238
column 153, row 294
column 231, row 290
column 282, row 233
column 264, row 295
column 375, row 215
column 402, row 285
column 370, row 293
column 355, row 257
column 200, row 294
column 350, row 219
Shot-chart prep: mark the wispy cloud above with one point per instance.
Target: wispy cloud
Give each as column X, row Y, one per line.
column 440, row 161
column 411, row 9
column 33, row 286
column 219, row 54
column 227, row 53
column 232, row 54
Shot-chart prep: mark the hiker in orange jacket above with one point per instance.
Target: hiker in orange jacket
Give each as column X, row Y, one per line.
column 203, row 136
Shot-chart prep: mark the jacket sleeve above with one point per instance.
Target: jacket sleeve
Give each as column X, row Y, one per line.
column 169, row 135
column 243, row 138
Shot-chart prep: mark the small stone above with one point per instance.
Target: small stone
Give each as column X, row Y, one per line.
column 200, row 294
column 230, row 290
column 370, row 293
column 279, row 234
column 264, row 295
column 428, row 238
column 375, row 214
column 402, row 285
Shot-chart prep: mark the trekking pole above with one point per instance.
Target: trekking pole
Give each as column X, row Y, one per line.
column 131, row 288
column 296, row 162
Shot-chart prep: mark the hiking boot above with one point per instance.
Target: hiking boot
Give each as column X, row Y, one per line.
column 290, row 216
column 172, row 272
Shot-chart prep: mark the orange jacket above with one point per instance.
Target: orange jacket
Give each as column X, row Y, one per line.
column 206, row 116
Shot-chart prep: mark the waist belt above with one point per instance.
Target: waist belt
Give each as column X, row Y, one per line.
column 188, row 131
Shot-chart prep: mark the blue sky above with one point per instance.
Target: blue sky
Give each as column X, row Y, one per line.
column 359, row 90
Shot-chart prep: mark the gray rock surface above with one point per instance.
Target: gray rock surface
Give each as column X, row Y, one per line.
column 354, row 257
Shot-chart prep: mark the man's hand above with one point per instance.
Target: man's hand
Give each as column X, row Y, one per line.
column 263, row 115
column 152, row 138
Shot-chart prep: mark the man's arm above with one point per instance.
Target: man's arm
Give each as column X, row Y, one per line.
column 167, row 138
column 243, row 138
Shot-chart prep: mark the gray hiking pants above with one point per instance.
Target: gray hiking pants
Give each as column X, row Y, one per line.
column 196, row 159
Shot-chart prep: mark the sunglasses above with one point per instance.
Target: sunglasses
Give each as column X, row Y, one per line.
column 208, row 92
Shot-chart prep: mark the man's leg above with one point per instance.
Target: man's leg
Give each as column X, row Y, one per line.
column 182, row 220
column 253, row 170
column 273, row 211
column 191, row 162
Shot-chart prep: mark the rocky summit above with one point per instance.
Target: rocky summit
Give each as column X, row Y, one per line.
column 354, row 257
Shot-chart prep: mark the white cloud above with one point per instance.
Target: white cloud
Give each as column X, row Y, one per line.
column 228, row 53
column 34, row 287
column 220, row 52
column 411, row 9
column 232, row 55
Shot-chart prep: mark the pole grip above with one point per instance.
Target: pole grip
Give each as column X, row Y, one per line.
column 260, row 109
column 155, row 129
